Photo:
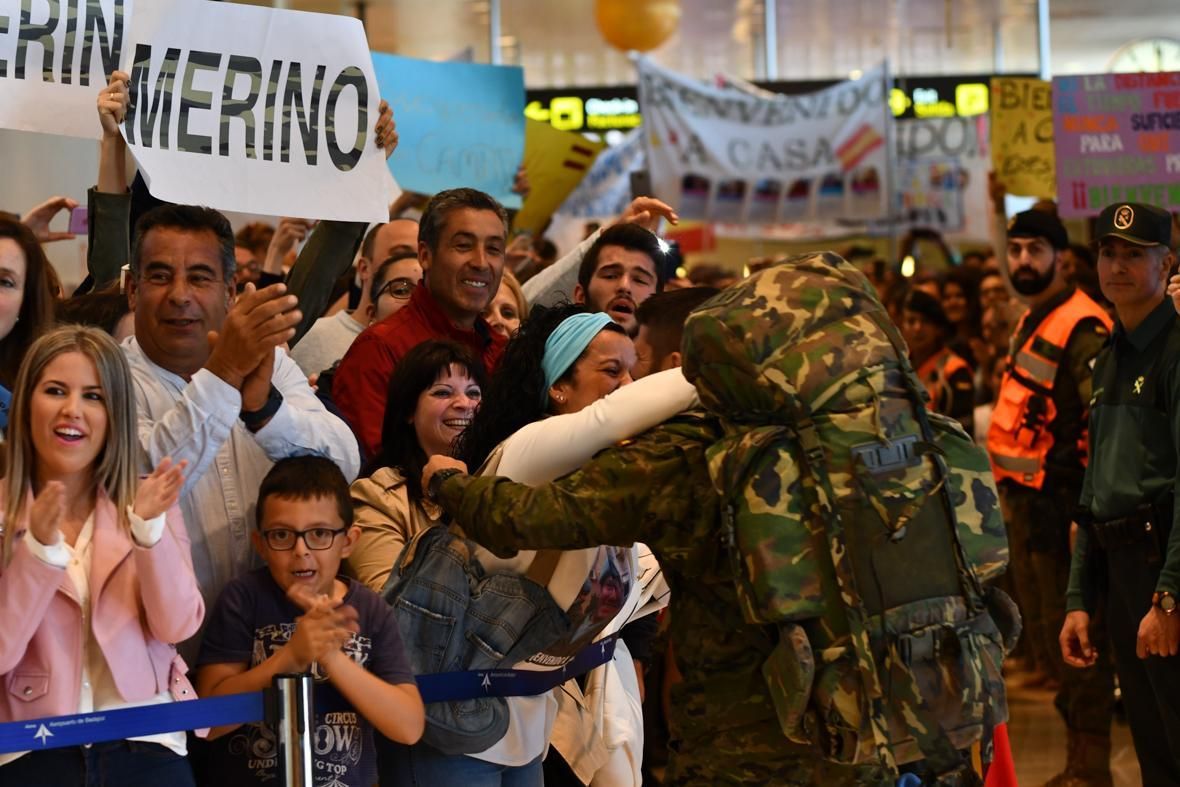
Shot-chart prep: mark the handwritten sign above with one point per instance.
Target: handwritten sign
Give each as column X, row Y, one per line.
column 556, row 162
column 255, row 110
column 459, row 124
column 1022, row 135
column 725, row 155
column 606, row 189
column 1117, row 140
column 54, row 57
column 942, row 167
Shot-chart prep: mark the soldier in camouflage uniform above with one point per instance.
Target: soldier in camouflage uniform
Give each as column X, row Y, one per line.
column 739, row 718
column 837, row 482
column 656, row 489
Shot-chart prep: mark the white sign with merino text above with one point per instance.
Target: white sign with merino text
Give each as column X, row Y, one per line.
column 54, row 57
column 255, row 110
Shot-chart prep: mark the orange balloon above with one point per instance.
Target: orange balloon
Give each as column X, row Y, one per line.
column 639, row 25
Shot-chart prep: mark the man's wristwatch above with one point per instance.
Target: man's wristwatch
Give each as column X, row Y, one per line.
column 255, row 419
column 436, row 480
column 1165, row 602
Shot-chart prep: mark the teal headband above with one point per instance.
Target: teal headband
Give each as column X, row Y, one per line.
column 567, row 342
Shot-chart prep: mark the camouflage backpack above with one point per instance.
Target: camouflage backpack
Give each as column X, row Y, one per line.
column 860, row 525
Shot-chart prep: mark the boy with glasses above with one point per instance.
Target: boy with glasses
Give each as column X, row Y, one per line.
column 297, row 615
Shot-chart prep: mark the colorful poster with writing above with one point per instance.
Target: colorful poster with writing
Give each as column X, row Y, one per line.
column 459, row 124
column 942, row 166
column 556, row 162
column 1022, row 135
column 1117, row 140
column 606, row 189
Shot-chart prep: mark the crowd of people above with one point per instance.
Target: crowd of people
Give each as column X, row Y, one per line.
column 232, row 456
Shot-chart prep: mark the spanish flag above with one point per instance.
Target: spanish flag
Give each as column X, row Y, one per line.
column 862, row 142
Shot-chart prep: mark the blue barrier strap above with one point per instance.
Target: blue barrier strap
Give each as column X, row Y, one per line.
column 56, row 732
column 452, row 686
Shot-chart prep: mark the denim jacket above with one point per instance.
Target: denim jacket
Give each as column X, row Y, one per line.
column 454, row 616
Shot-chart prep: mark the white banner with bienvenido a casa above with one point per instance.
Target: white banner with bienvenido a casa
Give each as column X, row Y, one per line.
column 732, row 156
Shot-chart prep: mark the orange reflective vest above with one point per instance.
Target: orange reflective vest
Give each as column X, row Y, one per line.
column 1019, row 438
column 935, row 373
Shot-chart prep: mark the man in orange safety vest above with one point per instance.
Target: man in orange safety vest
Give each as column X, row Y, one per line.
column 1037, row 442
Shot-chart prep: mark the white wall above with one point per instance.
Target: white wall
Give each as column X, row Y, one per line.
column 34, row 167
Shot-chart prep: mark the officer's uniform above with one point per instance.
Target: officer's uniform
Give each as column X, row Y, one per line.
column 1126, row 552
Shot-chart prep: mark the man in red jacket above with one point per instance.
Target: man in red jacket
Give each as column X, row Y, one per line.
column 461, row 241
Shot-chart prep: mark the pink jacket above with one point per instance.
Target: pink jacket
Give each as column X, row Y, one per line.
column 142, row 601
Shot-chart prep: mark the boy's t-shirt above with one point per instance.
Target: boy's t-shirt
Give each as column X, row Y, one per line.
column 251, row 620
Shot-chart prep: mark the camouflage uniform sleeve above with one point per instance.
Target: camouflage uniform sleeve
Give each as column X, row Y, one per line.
column 610, row 501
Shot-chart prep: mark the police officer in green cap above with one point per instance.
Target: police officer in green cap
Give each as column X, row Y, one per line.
column 1127, row 553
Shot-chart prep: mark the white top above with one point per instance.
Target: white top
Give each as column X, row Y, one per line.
column 98, row 692
column 198, row 420
column 326, row 342
column 541, row 452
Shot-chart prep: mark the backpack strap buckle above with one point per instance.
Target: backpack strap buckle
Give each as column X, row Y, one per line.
column 920, row 646
column 881, row 457
column 809, row 441
column 930, row 643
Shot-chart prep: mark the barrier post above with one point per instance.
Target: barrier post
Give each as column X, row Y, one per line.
column 293, row 727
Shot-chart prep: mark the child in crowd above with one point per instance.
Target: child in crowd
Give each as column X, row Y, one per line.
column 96, row 581
column 297, row 615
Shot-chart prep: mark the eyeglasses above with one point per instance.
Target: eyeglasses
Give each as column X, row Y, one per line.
column 398, row 288
column 318, row 538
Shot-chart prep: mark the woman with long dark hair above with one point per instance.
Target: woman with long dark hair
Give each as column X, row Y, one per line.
column 433, row 394
column 514, row 399
column 562, row 393
column 26, row 302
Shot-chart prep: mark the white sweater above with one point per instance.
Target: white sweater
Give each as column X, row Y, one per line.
column 541, row 452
